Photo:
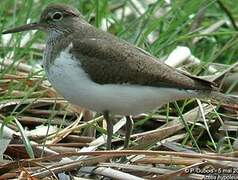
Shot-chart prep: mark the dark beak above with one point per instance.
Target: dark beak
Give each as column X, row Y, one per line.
column 26, row 27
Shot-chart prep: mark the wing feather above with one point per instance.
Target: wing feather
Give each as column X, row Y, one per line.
column 110, row 61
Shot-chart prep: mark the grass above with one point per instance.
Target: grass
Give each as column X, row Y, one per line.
column 207, row 28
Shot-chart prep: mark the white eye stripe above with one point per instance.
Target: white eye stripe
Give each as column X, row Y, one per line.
column 57, row 16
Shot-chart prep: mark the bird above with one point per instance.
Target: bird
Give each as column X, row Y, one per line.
column 96, row 70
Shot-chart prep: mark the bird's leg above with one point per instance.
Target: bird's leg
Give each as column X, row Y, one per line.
column 109, row 129
column 129, row 128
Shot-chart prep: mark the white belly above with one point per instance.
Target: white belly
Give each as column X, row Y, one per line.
column 70, row 80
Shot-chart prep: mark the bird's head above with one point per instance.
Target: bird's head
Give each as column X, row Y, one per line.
column 56, row 19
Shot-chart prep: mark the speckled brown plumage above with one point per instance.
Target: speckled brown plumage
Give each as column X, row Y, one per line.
column 112, row 61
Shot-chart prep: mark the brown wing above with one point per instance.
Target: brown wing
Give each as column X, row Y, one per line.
column 109, row 61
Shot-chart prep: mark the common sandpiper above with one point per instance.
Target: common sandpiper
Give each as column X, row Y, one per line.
column 96, row 70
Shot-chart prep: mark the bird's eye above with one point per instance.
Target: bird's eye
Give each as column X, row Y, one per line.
column 57, row 16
